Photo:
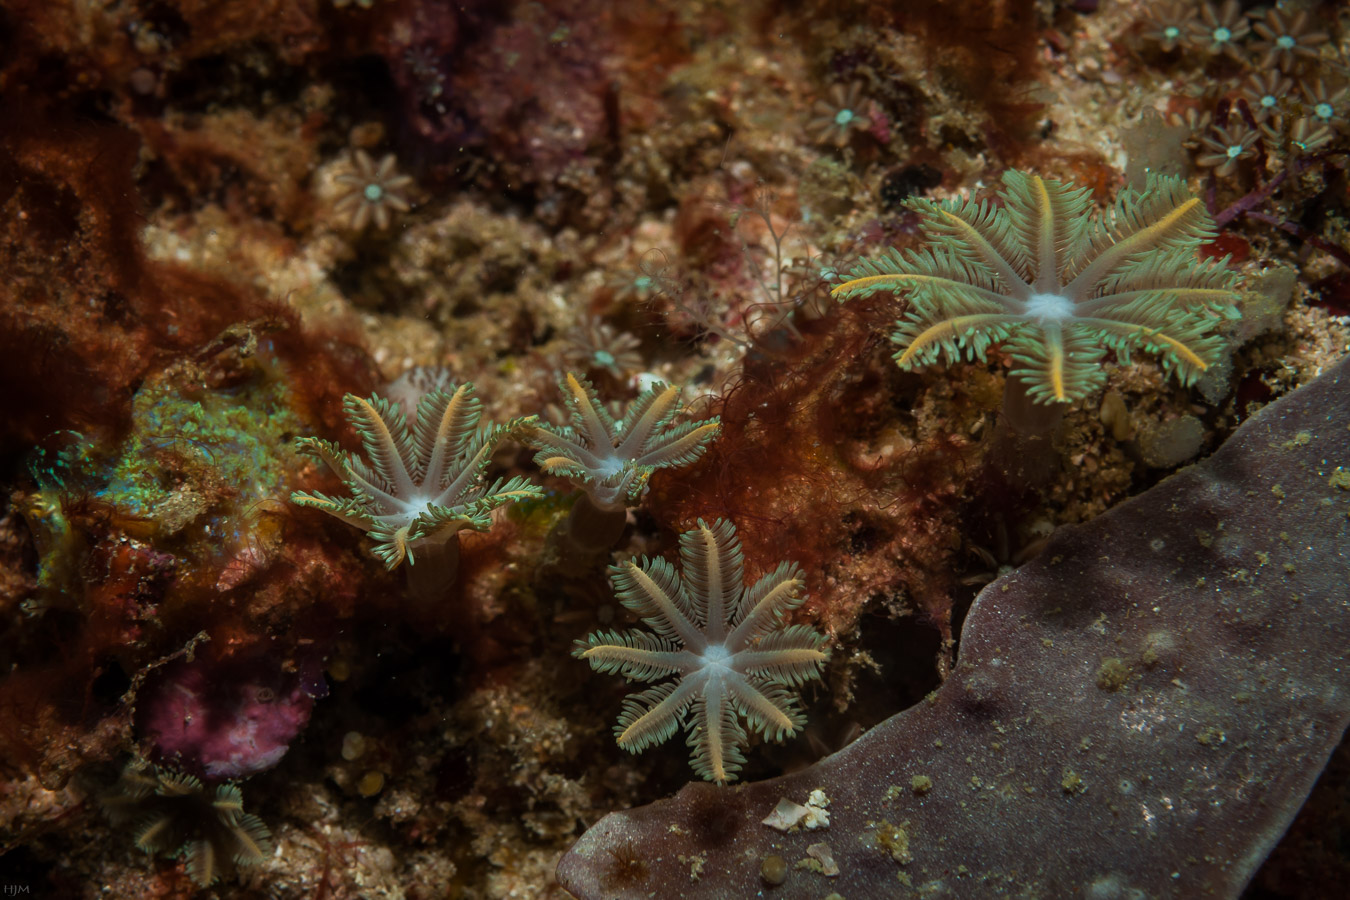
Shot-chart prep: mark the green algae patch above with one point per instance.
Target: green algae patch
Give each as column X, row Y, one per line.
column 202, row 472
column 537, row 515
column 1301, row 439
column 1211, row 736
column 895, row 840
column 203, row 454
column 1113, row 674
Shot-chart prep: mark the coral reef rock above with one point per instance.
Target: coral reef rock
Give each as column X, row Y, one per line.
column 1140, row 711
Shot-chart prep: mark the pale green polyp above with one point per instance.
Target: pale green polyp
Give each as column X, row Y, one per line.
column 843, row 117
column 373, row 193
column 1058, row 306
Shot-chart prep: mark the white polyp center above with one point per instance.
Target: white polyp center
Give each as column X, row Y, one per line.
column 1049, row 306
column 716, row 656
column 609, row 466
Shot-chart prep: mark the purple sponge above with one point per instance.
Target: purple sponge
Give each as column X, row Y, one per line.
column 228, row 719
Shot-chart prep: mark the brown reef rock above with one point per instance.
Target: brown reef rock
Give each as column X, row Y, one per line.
column 1140, row 711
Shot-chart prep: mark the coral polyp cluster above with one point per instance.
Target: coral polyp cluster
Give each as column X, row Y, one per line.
column 612, row 459
column 722, row 640
column 419, row 485
column 373, row 191
column 1059, row 290
column 173, row 814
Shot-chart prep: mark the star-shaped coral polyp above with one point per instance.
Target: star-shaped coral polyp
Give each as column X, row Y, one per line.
column 1056, row 286
column 422, row 485
column 722, row 641
column 612, row 459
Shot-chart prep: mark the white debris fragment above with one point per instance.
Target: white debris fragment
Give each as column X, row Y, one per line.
column 788, row 814
column 816, row 816
column 822, row 854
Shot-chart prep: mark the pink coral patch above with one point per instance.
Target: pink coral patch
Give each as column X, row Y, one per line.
column 226, row 720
